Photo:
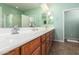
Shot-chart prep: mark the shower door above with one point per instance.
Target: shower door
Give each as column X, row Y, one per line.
column 71, row 24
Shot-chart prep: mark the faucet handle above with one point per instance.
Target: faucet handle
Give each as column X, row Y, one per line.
column 15, row 26
column 15, row 29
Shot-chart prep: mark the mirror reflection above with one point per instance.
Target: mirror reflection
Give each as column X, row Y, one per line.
column 12, row 14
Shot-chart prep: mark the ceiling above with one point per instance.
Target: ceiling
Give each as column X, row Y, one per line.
column 24, row 6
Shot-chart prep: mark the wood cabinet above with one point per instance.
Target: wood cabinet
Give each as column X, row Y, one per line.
column 43, row 38
column 44, row 48
column 47, row 43
column 51, row 34
column 47, row 40
column 35, row 44
column 29, row 47
column 25, row 49
column 43, row 45
column 38, row 46
column 14, row 52
column 37, row 51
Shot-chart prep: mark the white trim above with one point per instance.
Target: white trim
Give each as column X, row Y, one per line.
column 59, row 40
column 72, row 41
column 64, row 20
column 63, row 27
column 70, row 9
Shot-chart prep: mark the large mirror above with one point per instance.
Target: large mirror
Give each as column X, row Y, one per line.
column 11, row 16
column 8, row 20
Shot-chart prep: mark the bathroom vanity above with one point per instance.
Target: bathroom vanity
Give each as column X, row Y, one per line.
column 30, row 42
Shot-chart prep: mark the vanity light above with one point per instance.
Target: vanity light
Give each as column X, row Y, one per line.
column 44, row 7
column 51, row 17
column 49, row 13
column 16, row 7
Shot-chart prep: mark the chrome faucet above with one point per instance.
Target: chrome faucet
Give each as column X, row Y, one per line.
column 15, row 29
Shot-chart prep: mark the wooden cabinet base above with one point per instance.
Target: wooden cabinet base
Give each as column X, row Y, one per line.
column 29, row 47
column 43, row 48
column 37, row 51
column 38, row 46
column 25, row 49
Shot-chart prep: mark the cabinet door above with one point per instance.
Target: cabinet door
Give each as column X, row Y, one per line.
column 43, row 48
column 47, row 43
column 35, row 44
column 53, row 34
column 50, row 38
column 25, row 49
column 43, row 44
column 43, row 38
column 14, row 52
column 47, row 47
column 37, row 51
column 28, row 48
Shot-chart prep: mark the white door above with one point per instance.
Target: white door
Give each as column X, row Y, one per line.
column 25, row 21
column 72, row 24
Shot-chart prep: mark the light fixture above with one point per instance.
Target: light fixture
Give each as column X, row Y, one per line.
column 44, row 7
column 16, row 6
column 51, row 17
column 48, row 13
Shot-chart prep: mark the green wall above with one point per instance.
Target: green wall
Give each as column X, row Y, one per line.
column 58, row 9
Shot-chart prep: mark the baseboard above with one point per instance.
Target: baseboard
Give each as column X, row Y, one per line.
column 73, row 41
column 67, row 40
column 59, row 40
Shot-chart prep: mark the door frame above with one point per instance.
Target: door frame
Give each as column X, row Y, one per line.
column 64, row 21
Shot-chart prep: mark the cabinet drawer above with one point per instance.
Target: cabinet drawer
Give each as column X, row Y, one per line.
column 37, row 51
column 14, row 52
column 35, row 43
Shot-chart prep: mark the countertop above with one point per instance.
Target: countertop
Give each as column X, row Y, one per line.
column 10, row 41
